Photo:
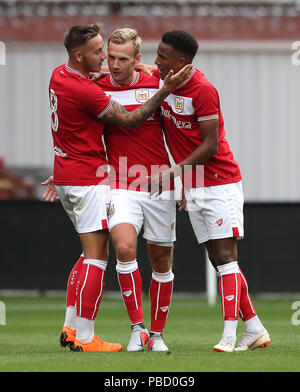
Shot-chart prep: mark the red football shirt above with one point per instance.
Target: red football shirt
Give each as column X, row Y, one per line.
column 77, row 105
column 134, row 154
column 195, row 100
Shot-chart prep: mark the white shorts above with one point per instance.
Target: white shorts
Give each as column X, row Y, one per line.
column 158, row 215
column 220, row 214
column 86, row 206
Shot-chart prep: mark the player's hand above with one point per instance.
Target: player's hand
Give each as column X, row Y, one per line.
column 161, row 181
column 172, row 80
column 154, row 185
column 50, row 193
column 182, row 202
column 95, row 76
column 147, row 69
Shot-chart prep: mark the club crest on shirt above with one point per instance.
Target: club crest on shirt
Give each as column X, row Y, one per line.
column 179, row 103
column 142, row 96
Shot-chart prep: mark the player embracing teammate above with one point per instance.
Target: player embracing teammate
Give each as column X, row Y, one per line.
column 79, row 109
column 195, row 134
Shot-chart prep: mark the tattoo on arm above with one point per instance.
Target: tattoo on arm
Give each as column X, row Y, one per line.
column 117, row 113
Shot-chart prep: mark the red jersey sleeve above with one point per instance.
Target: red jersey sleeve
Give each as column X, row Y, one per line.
column 207, row 103
column 94, row 101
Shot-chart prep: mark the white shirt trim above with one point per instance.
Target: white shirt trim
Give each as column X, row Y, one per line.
column 135, row 80
column 187, row 80
column 211, row 117
column 74, row 71
column 106, row 109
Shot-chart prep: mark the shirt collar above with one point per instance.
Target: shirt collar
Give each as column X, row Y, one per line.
column 74, row 71
column 135, row 80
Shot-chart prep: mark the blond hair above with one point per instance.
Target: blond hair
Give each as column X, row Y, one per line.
column 120, row 36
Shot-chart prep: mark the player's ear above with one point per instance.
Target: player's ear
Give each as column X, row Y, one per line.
column 138, row 58
column 78, row 56
column 183, row 62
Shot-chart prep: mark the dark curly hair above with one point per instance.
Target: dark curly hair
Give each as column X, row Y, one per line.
column 182, row 42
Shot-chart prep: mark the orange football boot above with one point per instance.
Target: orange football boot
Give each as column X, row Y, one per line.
column 96, row 345
column 67, row 337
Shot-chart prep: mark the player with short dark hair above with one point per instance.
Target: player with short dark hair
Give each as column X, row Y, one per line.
column 78, row 111
column 195, row 134
column 78, row 36
column 183, row 41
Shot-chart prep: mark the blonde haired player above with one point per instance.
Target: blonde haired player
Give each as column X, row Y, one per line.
column 132, row 208
column 78, row 111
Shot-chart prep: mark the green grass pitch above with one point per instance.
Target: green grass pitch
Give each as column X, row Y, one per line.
column 29, row 340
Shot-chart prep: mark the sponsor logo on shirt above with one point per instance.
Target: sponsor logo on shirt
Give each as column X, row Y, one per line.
column 59, row 152
column 178, row 123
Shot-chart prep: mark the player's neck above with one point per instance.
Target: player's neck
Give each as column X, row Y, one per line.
column 129, row 80
column 78, row 67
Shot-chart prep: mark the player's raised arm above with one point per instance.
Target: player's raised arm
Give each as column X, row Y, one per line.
column 117, row 114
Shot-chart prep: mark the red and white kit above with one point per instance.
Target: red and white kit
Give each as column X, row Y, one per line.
column 216, row 208
column 77, row 105
column 134, row 154
column 220, row 213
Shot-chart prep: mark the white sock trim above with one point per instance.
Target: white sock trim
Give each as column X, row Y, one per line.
column 164, row 277
column 254, row 325
column 70, row 317
column 97, row 263
column 126, row 267
column 84, row 329
column 230, row 327
column 229, row 268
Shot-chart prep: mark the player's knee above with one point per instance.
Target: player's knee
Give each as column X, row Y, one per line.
column 162, row 263
column 126, row 251
column 97, row 252
column 223, row 256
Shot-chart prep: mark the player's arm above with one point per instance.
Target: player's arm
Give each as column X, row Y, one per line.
column 117, row 114
column 209, row 130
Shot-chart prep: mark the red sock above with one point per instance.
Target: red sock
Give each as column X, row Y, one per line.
column 230, row 291
column 131, row 288
column 247, row 310
column 73, row 282
column 160, row 297
column 90, row 288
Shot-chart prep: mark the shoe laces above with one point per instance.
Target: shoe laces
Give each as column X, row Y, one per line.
column 156, row 336
column 246, row 337
column 228, row 340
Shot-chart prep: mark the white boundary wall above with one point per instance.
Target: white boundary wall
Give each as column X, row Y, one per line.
column 259, row 90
